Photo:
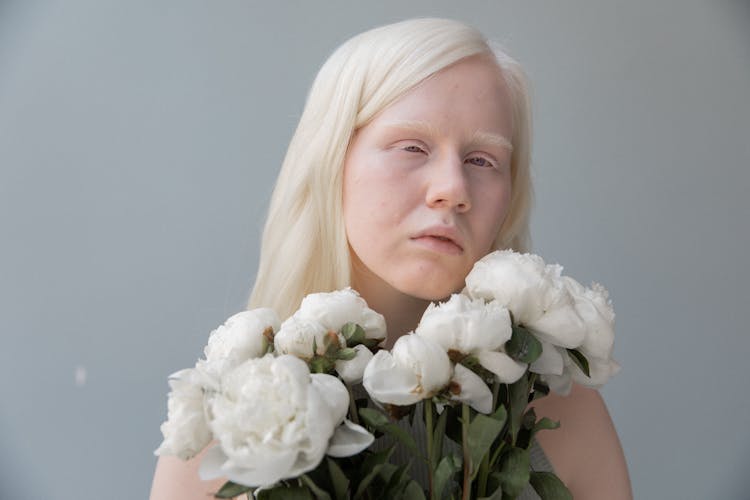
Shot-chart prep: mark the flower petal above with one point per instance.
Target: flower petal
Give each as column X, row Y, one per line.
column 560, row 325
column 353, row 370
column 550, row 362
column 349, row 439
column 503, row 366
column 473, row 390
column 560, row 384
column 387, row 382
column 333, row 392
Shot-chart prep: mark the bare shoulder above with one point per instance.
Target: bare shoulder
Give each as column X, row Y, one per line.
column 585, row 451
column 177, row 479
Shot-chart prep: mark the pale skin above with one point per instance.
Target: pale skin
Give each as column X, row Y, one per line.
column 426, row 189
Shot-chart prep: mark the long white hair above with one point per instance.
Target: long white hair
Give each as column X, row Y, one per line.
column 304, row 247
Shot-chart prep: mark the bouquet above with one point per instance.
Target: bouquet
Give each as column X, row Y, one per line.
column 277, row 404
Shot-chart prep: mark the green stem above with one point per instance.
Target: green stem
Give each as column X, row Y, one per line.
column 484, row 473
column 484, row 469
column 430, row 431
column 465, row 416
column 495, row 392
column 352, row 405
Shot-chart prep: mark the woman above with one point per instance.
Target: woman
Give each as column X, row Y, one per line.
column 411, row 162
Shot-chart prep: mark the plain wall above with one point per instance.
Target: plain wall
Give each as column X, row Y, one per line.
column 139, row 141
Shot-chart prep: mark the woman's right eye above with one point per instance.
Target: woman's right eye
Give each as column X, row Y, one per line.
column 412, row 148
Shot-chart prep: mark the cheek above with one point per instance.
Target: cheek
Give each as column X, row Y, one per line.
column 493, row 213
column 375, row 194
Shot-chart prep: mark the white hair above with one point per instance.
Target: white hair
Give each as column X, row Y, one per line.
column 304, row 247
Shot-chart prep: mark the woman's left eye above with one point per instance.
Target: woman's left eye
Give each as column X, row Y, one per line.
column 480, row 161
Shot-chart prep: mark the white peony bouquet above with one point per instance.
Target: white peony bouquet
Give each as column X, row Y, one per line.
column 275, row 402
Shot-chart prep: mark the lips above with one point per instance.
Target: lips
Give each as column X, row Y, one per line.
column 442, row 239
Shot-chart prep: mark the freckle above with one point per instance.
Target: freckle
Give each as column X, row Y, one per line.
column 80, row 375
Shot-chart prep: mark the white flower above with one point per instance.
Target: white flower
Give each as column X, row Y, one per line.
column 467, row 387
column 334, row 309
column 241, row 337
column 517, row 281
column 600, row 371
column 274, row 420
column 594, row 307
column 415, row 369
column 550, row 362
column 532, row 291
column 353, row 370
column 473, row 327
column 298, row 335
column 186, row 431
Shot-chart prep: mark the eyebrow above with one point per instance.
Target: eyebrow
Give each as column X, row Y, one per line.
column 478, row 137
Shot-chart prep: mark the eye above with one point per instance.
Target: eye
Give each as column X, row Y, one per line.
column 413, row 148
column 480, row 161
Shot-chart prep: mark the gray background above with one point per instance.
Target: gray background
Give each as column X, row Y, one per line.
column 139, row 142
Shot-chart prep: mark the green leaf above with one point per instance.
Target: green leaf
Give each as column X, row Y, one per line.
column 404, row 437
column 482, row 433
column 371, row 343
column 380, row 422
column 529, row 419
column 501, row 414
column 545, row 423
column 397, row 481
column 373, row 418
column 495, row 495
column 371, row 467
column 448, row 466
column 286, row 493
column 338, row 479
column 353, row 333
column 514, row 471
column 321, row 364
column 540, row 389
column 580, row 360
column 439, row 433
column 519, row 398
column 319, row 493
column 413, row 491
column 231, row 490
column 523, row 346
column 346, row 354
column 549, row 487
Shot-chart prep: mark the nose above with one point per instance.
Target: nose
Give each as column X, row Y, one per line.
column 447, row 186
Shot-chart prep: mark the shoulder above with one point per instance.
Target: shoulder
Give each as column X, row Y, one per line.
column 585, row 451
column 177, row 479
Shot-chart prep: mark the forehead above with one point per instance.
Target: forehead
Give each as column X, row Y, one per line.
column 468, row 97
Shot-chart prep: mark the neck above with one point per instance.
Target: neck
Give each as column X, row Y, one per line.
column 402, row 312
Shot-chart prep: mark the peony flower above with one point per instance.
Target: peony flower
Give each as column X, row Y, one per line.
column 473, row 328
column 416, row 368
column 186, row 431
column 595, row 308
column 334, row 309
column 532, row 291
column 243, row 336
column 298, row 335
column 600, row 371
column 550, row 362
column 274, row 420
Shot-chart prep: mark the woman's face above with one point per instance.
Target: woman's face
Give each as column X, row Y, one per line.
column 427, row 182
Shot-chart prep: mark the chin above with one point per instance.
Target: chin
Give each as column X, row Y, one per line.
column 432, row 288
